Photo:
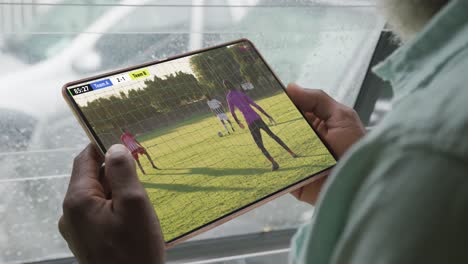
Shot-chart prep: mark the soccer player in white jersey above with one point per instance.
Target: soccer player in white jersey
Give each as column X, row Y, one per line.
column 218, row 109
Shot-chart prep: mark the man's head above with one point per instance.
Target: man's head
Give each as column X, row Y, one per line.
column 408, row 17
column 208, row 97
column 228, row 85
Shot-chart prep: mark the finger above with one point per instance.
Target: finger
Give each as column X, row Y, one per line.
column 297, row 193
column 316, row 123
column 322, row 129
column 312, row 100
column 120, row 171
column 310, row 117
column 310, row 192
column 85, row 173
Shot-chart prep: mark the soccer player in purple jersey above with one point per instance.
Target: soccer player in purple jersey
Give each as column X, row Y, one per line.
column 239, row 100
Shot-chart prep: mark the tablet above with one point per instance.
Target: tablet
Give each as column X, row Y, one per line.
column 213, row 133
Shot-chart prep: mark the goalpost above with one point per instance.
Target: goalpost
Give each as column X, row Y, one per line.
column 168, row 113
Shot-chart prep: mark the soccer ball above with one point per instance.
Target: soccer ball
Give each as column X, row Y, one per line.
column 220, row 134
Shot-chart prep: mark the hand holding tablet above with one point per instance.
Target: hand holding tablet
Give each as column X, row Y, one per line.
column 198, row 170
column 107, row 218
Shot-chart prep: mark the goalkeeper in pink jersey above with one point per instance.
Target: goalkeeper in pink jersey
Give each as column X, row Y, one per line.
column 135, row 148
column 239, row 100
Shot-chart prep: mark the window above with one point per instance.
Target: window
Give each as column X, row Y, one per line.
column 44, row 44
column 67, row 22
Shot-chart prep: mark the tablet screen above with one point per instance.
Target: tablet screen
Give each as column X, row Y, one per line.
column 212, row 133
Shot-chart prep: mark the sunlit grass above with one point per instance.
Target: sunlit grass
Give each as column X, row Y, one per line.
column 204, row 177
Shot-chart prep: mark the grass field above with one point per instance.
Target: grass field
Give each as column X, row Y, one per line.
column 204, row 177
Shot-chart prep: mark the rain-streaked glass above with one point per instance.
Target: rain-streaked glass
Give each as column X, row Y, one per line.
column 46, row 43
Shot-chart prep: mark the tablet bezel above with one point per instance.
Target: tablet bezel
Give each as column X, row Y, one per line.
column 240, row 211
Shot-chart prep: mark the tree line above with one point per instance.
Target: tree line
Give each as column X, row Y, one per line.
column 178, row 96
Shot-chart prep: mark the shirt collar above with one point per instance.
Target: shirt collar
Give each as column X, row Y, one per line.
column 415, row 63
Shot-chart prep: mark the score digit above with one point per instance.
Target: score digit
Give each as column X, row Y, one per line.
column 120, row 78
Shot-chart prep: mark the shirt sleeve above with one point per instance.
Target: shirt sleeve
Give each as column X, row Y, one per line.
column 412, row 208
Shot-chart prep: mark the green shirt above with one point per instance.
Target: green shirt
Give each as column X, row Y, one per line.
column 400, row 195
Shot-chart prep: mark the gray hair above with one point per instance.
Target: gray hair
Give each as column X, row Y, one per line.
column 408, row 17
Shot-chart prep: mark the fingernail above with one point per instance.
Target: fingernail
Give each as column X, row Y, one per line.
column 117, row 148
column 294, row 84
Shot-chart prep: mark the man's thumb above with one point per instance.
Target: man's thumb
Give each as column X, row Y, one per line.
column 312, row 100
column 121, row 173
